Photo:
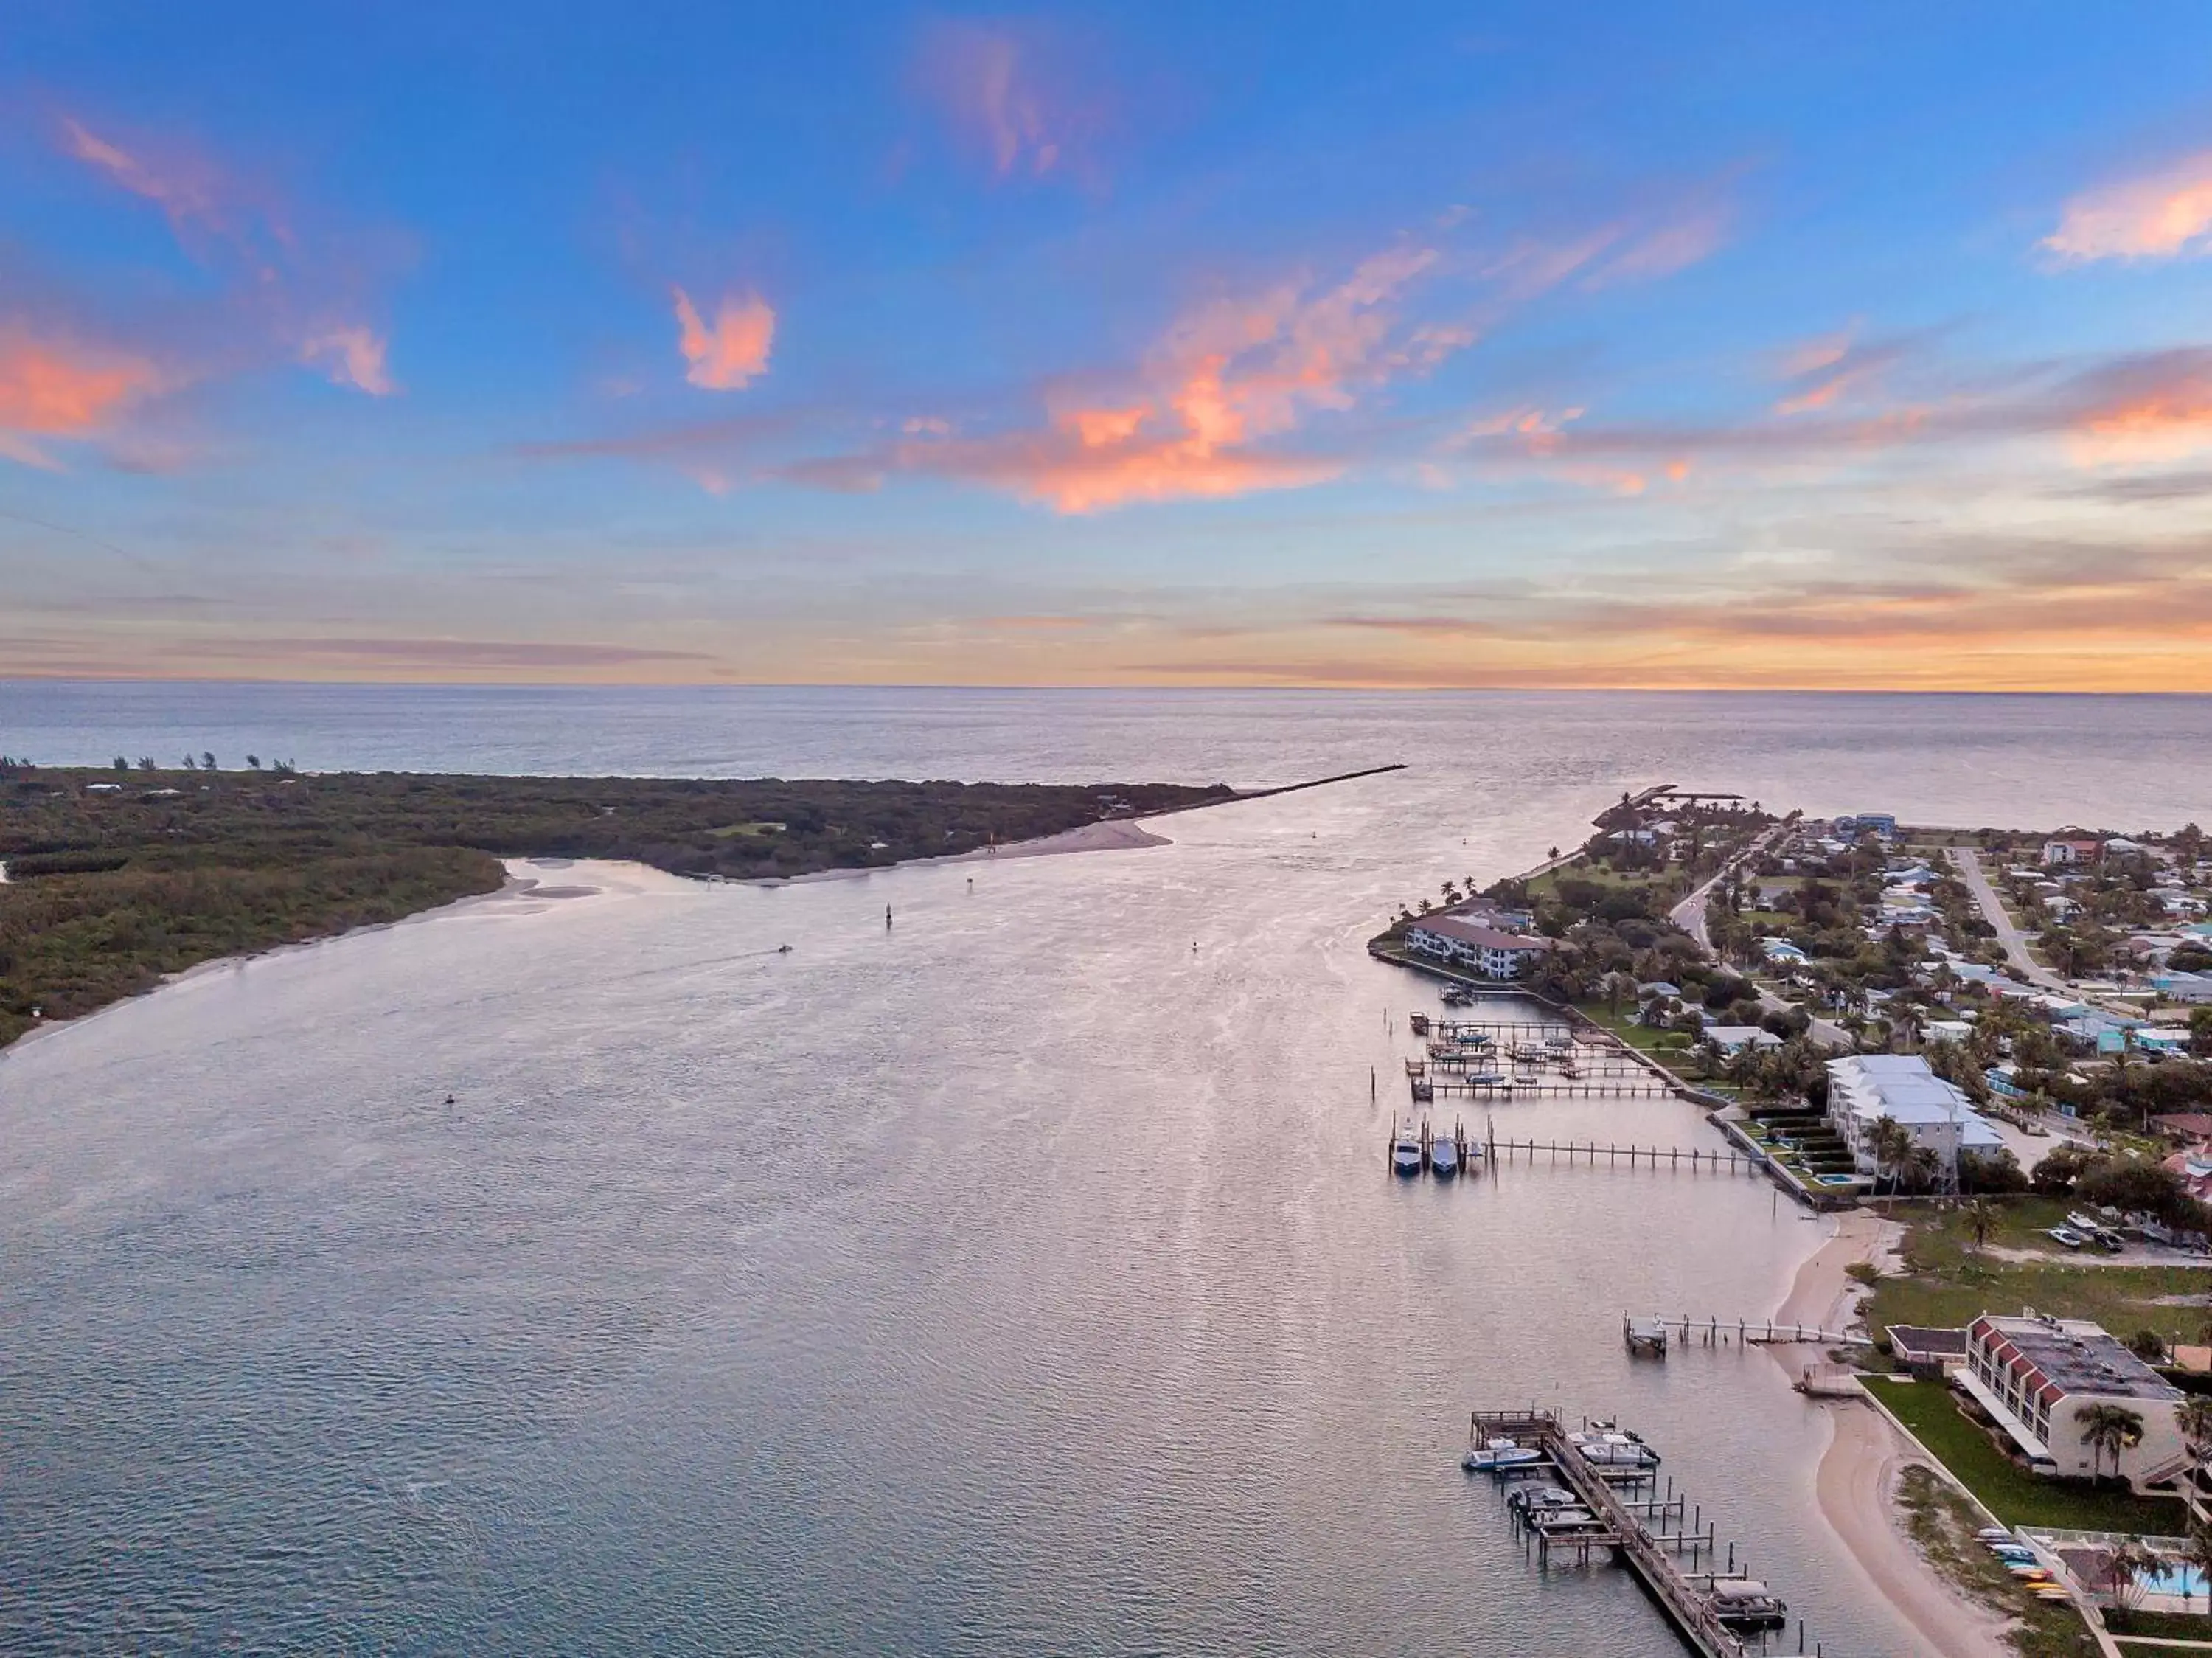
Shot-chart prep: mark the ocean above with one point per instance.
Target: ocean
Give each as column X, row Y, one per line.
column 1024, row 1276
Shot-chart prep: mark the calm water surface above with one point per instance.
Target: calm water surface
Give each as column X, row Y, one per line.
column 1020, row 1279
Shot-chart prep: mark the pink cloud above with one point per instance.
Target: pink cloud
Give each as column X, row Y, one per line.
column 351, row 356
column 734, row 352
column 56, row 388
column 304, row 294
column 1004, row 94
column 2161, row 215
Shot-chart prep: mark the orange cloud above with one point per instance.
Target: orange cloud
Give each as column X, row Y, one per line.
column 351, row 356
column 1223, row 378
column 730, row 355
column 59, row 388
column 2160, row 215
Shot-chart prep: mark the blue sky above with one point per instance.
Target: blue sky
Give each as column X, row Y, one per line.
column 1296, row 344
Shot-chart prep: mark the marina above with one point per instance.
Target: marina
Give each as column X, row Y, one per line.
column 1602, row 1496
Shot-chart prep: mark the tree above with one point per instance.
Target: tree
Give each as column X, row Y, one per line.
column 2200, row 1032
column 207, row 762
column 2197, row 1551
column 2120, row 1569
column 253, row 762
column 2107, row 1430
column 191, row 765
column 1980, row 1215
column 1891, row 1142
column 121, row 764
column 2147, row 1345
column 146, row 763
column 2193, row 1415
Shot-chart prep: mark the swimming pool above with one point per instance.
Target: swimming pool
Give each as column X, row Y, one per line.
column 2172, row 1577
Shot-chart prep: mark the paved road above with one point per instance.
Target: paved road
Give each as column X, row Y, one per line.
column 1690, row 915
column 2008, row 933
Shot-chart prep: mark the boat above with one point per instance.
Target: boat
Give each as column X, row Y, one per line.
column 1745, row 1603
column 1406, row 1154
column 1484, row 1079
column 1531, row 1498
column 1443, row 1158
column 1614, row 1450
column 1497, row 1454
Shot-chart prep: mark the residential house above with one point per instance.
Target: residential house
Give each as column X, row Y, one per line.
column 1734, row 1038
column 2073, row 849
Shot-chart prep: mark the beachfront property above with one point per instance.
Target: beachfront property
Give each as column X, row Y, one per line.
column 1489, row 951
column 1866, row 1087
column 2035, row 1375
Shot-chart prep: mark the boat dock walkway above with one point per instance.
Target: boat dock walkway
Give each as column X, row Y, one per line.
column 1648, row 1532
column 1693, row 1158
column 1743, row 1332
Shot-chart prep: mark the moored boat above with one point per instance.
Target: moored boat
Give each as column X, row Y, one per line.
column 1406, row 1154
column 1609, row 1450
column 1443, row 1158
column 1497, row 1454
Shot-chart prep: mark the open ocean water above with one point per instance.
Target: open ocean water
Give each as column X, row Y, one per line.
column 1018, row 1280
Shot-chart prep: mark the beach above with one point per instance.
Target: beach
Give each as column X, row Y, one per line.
column 1856, row 1484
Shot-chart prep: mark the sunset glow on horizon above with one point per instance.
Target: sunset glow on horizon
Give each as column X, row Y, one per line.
column 1440, row 347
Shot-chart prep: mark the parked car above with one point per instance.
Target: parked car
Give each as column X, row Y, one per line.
column 2068, row 1236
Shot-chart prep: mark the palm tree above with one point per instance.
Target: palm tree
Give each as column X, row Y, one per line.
column 2197, row 1551
column 2193, row 1415
column 1980, row 1215
column 2120, row 1569
column 2107, row 1430
column 1891, row 1142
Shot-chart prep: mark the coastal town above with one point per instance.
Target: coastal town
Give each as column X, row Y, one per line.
column 1985, row 1058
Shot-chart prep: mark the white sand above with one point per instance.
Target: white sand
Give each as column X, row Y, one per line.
column 1856, row 1484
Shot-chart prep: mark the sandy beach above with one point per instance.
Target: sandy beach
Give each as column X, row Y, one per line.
column 1111, row 835
column 1856, row 1484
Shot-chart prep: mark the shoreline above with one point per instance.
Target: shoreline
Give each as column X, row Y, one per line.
column 1855, row 1486
column 1106, row 835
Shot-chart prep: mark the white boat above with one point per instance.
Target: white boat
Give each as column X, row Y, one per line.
column 1614, row 1450
column 1498, row 1453
column 1443, row 1158
column 1406, row 1155
column 1532, row 1499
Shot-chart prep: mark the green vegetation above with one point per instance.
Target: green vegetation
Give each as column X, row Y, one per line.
column 1943, row 1523
column 2010, row 1492
column 1949, row 1281
column 2175, row 1625
column 118, row 877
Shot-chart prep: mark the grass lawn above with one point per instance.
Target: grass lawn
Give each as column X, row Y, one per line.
column 2014, row 1495
column 1943, row 1524
column 1949, row 1284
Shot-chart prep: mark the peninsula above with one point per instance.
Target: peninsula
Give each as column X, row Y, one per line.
column 113, row 878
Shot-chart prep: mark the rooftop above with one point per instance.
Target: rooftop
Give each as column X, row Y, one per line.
column 1480, row 937
column 2075, row 1356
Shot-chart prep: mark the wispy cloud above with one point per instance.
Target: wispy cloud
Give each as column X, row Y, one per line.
column 732, row 352
column 351, row 357
column 1012, row 96
column 308, row 290
column 1224, row 379
column 2155, row 216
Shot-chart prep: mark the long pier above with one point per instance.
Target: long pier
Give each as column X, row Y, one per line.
column 1697, row 1159
column 1647, row 1533
column 1746, row 1332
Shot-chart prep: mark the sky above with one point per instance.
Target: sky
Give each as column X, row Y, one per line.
column 1703, row 344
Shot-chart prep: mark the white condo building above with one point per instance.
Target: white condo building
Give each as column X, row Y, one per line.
column 1869, row 1087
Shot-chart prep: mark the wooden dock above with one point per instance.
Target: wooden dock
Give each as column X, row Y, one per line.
column 1693, row 1158
column 1645, row 1529
column 1745, row 1332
